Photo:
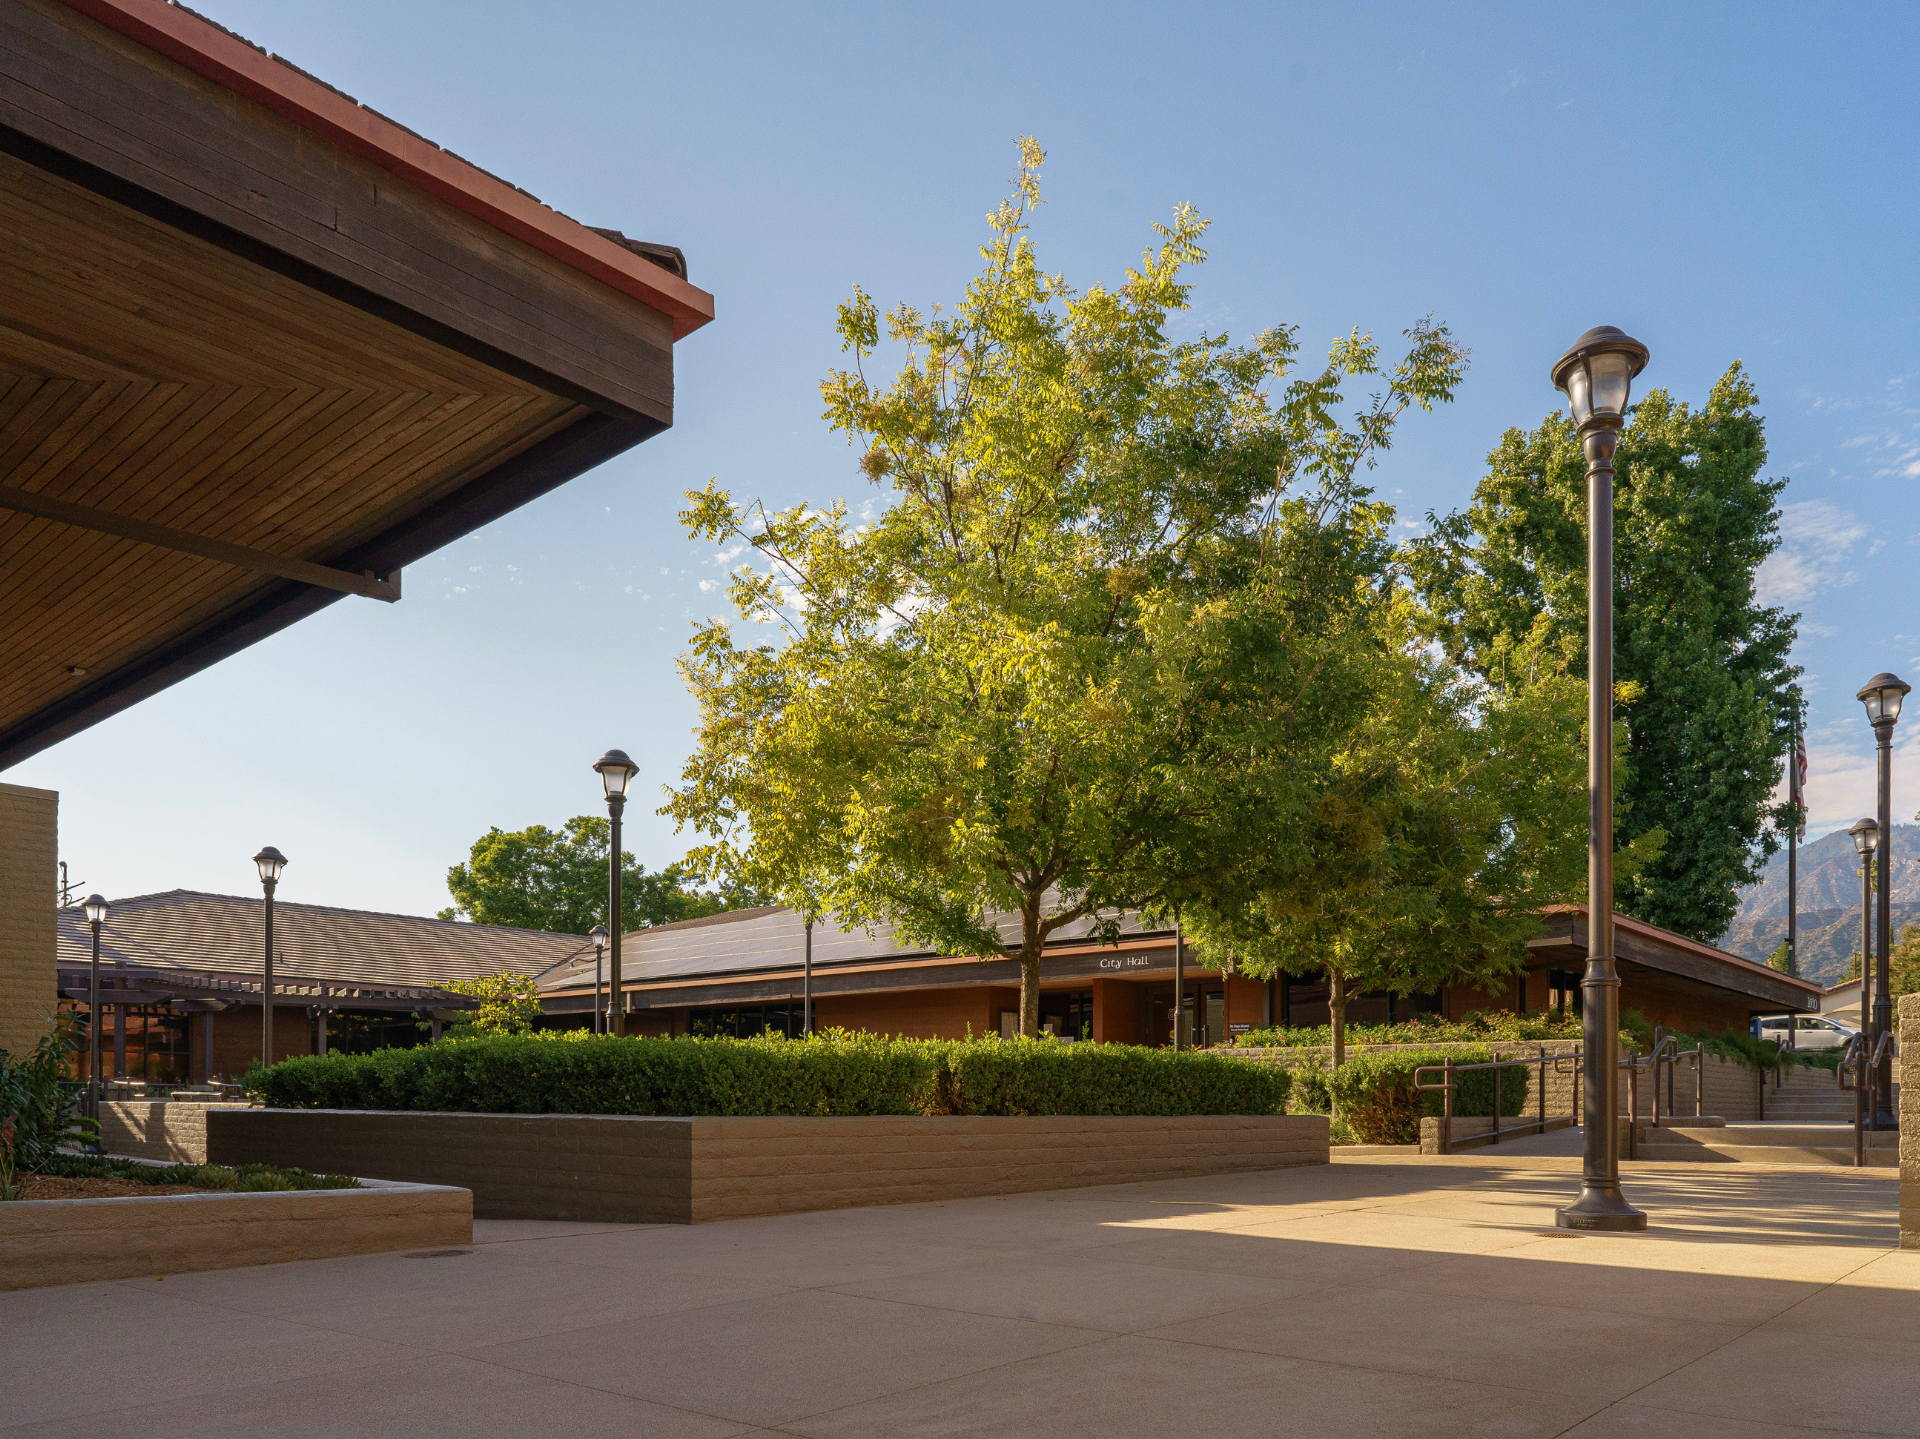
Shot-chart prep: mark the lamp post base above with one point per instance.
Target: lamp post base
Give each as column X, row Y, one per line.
column 1600, row 1209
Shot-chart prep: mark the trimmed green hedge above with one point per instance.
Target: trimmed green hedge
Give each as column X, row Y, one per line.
column 1375, row 1094
column 836, row 1073
column 1029, row 1077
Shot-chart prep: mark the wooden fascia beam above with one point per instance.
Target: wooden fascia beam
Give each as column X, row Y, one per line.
column 286, row 567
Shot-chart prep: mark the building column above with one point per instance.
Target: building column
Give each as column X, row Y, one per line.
column 29, row 899
column 1246, row 1004
column 119, row 1040
column 206, row 1047
column 1116, row 1012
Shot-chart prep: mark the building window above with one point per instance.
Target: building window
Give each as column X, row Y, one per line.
column 1067, row 1013
column 350, row 1033
column 747, row 1021
column 1563, row 991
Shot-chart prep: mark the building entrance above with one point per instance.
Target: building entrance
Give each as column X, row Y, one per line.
column 1204, row 1022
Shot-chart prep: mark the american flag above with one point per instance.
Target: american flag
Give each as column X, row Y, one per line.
column 1797, row 782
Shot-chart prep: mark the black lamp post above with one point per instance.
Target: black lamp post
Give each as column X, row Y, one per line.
column 1597, row 375
column 270, row 862
column 616, row 773
column 1866, row 835
column 95, row 910
column 806, row 985
column 598, row 934
column 1882, row 695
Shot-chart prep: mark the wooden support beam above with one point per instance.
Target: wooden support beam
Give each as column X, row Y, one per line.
column 105, row 522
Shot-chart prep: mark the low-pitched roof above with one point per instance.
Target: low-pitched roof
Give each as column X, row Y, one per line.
column 744, row 941
column 221, row 934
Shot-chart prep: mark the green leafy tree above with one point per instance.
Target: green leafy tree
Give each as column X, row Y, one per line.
column 509, row 1004
column 1693, row 519
column 1903, row 963
column 1461, row 813
column 1108, row 628
column 1781, row 959
column 540, row 878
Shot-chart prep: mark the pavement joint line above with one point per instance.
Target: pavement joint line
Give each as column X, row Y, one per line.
column 1096, row 1337
column 1735, row 1339
column 1349, row 1364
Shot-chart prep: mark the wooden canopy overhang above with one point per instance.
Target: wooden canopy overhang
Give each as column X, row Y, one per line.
column 1663, row 959
column 193, row 991
column 261, row 347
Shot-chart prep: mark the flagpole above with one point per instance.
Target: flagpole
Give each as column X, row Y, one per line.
column 1794, row 765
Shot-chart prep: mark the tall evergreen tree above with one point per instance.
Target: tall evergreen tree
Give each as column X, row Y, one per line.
column 1693, row 519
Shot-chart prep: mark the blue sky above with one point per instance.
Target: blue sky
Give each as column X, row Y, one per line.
column 1725, row 182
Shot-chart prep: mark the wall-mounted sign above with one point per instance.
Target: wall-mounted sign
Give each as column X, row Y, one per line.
column 1129, row 961
column 1239, row 1029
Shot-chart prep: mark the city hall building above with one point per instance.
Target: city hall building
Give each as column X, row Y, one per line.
column 744, row 972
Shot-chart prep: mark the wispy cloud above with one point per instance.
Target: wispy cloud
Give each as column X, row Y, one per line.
column 1817, row 541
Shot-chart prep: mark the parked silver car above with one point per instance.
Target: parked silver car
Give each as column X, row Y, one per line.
column 1806, row 1031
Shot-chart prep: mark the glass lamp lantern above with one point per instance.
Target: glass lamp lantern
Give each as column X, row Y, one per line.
column 1597, row 375
column 598, row 936
column 95, row 908
column 1882, row 695
column 271, row 862
column 616, row 772
column 1866, row 835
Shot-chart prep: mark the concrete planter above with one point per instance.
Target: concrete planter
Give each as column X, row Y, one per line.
column 74, row 1241
column 613, row 1168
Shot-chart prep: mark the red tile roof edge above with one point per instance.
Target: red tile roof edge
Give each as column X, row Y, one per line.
column 211, row 50
column 1640, row 926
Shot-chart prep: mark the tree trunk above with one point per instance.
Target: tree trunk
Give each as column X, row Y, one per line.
column 1337, row 1008
column 1030, row 985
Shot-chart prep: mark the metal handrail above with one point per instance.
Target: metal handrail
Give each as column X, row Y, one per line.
column 1447, row 1069
column 1863, row 1066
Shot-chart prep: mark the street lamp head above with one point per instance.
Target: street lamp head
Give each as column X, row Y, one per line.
column 598, row 934
column 1597, row 375
column 1882, row 695
column 271, row 862
column 1866, row 835
column 616, row 772
column 95, row 909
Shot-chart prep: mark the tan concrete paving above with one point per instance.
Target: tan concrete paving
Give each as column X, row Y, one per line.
column 1383, row 1294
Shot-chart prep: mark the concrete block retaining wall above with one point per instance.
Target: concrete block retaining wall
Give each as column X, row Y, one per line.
column 1909, row 1027
column 613, row 1168
column 74, row 1241
column 174, row 1130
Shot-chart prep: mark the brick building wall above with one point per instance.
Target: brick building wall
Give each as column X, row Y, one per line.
column 29, row 894
column 917, row 1014
column 236, row 1038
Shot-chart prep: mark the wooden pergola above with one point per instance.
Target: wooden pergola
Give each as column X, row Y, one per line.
column 261, row 348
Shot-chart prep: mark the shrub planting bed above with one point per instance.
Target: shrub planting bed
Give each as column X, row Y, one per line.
column 96, row 1176
column 837, row 1074
column 682, row 1130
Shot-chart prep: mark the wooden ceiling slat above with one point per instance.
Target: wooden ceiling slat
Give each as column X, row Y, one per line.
column 122, row 486
column 108, row 408
column 482, row 455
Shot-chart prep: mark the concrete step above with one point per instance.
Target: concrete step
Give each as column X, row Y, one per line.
column 1769, row 1143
